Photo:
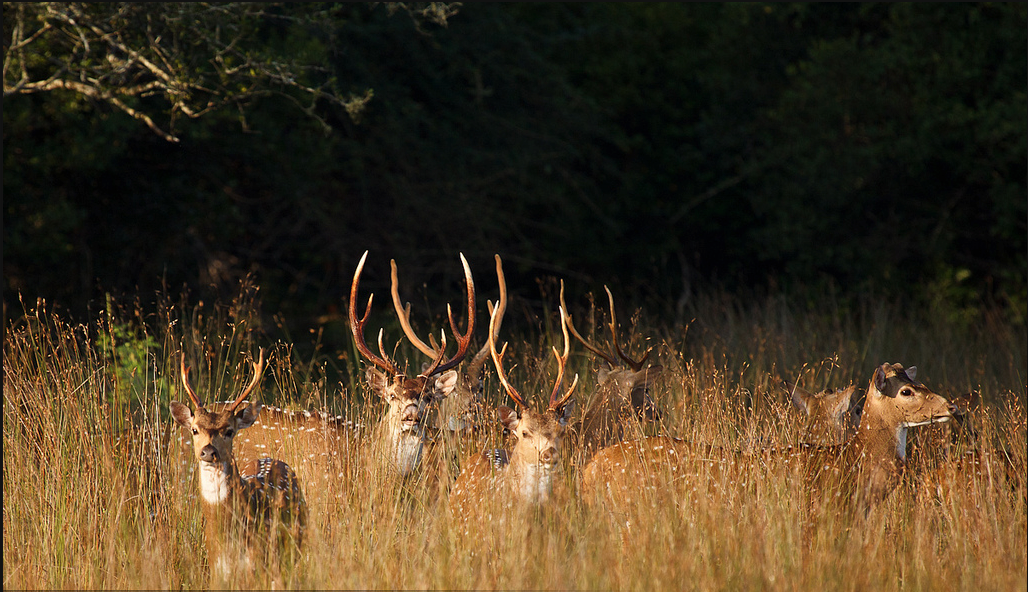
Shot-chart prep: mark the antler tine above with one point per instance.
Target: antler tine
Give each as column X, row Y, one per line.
column 357, row 326
column 562, row 361
column 403, row 313
column 501, row 305
column 636, row 366
column 258, row 370
column 498, row 362
column 185, row 382
column 564, row 307
column 463, row 341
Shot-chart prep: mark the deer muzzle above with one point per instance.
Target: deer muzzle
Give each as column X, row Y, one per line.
column 409, row 417
column 209, row 454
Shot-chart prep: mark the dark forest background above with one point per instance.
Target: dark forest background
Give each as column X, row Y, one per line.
column 660, row 149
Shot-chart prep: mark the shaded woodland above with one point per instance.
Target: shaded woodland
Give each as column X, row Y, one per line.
column 661, row 149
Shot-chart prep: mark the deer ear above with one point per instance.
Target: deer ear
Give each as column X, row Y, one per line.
column 508, row 417
column 801, row 398
column 647, row 375
column 378, row 381
column 248, row 415
column 912, row 373
column 879, row 378
column 564, row 414
column 182, row 414
column 444, row 384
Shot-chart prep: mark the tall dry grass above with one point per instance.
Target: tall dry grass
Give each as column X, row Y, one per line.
column 99, row 490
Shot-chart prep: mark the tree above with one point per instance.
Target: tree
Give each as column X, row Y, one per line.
column 160, row 61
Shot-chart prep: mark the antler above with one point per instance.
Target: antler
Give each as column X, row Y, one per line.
column 498, row 359
column 607, row 356
column 501, row 306
column 258, row 370
column 462, row 340
column 562, row 361
column 636, row 366
column 570, row 325
column 185, row 382
column 403, row 313
column 357, row 326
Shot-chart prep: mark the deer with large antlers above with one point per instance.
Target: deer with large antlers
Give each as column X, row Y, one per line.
column 462, row 410
column 622, row 398
column 402, row 431
column 531, row 469
column 864, row 470
column 251, row 509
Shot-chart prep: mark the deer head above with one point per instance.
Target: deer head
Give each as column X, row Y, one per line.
column 457, row 411
column 622, row 395
column 213, row 432
column 832, row 416
column 896, row 400
column 409, row 397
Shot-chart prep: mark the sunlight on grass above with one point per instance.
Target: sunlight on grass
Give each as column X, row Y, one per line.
column 100, row 488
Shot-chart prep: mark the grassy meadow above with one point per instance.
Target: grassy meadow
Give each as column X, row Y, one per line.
column 99, row 491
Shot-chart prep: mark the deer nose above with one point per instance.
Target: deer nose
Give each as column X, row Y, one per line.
column 548, row 455
column 208, row 454
column 410, row 414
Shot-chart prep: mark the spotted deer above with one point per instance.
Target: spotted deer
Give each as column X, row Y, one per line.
column 832, row 417
column 322, row 448
column 250, row 511
column 401, row 434
column 462, row 410
column 530, row 471
column 863, row 470
column 621, row 401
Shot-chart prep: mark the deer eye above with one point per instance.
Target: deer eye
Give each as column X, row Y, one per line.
column 229, row 432
column 525, row 435
column 907, row 392
column 195, row 431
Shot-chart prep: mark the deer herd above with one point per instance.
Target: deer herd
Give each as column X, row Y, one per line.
column 853, row 446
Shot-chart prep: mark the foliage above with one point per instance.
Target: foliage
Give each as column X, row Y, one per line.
column 127, row 348
column 656, row 148
column 193, row 58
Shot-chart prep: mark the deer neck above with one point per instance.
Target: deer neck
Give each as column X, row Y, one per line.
column 403, row 447
column 218, row 482
column 882, row 433
column 532, row 481
column 880, row 450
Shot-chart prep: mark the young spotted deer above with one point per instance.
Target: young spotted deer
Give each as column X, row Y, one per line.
column 863, row 470
column 621, row 401
column 462, row 410
column 530, row 470
column 832, row 416
column 933, row 456
column 401, row 435
column 254, row 513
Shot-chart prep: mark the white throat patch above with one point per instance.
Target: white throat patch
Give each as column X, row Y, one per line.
column 214, row 486
column 407, row 453
column 536, row 483
column 901, row 442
